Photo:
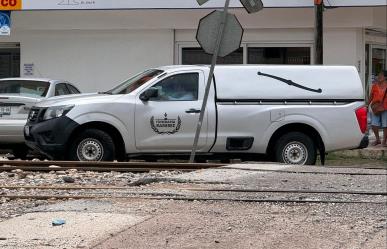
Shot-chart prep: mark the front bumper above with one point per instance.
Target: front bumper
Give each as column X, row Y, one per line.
column 50, row 137
column 364, row 142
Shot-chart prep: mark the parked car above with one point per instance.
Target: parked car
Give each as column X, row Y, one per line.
column 17, row 96
column 290, row 113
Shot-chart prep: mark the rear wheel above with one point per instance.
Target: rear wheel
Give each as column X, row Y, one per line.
column 92, row 145
column 295, row 148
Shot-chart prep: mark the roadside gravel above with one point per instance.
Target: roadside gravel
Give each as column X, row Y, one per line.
column 11, row 208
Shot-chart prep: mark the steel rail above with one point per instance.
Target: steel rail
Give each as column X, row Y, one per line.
column 172, row 167
column 98, row 169
column 288, row 191
column 47, row 197
column 295, row 191
column 308, row 172
column 150, row 165
column 66, row 187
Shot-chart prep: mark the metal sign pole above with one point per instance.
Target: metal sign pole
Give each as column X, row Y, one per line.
column 318, row 33
column 210, row 76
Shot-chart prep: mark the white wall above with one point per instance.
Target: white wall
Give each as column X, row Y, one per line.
column 341, row 47
column 380, row 17
column 96, row 49
column 95, row 60
column 189, row 19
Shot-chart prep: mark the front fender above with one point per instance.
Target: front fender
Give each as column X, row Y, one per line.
column 108, row 119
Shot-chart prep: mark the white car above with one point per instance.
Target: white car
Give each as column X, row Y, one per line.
column 17, row 96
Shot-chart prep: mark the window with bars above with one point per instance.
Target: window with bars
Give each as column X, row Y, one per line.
column 9, row 61
column 197, row 56
column 255, row 55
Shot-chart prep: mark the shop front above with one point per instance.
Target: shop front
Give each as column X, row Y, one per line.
column 97, row 45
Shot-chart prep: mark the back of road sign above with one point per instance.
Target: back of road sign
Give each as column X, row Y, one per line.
column 208, row 32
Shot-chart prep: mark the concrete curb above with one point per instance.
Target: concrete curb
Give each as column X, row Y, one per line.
column 367, row 153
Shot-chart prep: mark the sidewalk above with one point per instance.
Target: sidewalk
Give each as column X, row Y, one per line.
column 371, row 152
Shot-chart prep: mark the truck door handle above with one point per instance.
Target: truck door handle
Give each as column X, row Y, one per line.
column 192, row 110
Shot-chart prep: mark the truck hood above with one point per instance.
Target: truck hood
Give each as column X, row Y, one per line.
column 76, row 99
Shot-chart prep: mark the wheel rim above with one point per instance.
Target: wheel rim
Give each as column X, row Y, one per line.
column 295, row 153
column 90, row 149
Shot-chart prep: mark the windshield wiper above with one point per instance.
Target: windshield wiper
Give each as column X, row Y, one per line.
column 291, row 83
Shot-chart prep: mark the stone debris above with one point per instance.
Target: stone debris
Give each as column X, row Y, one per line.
column 68, row 179
column 58, row 222
column 12, row 207
column 60, row 172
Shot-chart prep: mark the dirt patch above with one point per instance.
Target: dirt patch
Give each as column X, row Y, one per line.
column 241, row 225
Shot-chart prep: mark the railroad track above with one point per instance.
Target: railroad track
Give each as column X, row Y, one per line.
column 184, row 198
column 235, row 190
column 102, row 166
column 148, row 166
column 380, row 171
column 127, row 193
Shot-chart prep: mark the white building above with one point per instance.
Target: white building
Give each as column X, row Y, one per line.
column 98, row 43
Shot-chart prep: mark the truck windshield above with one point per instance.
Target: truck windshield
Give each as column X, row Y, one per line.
column 135, row 82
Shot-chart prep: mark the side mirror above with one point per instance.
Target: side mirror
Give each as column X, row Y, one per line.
column 151, row 92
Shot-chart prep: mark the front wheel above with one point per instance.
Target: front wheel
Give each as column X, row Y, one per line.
column 92, row 145
column 295, row 148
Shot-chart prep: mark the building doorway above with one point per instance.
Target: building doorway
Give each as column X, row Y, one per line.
column 375, row 58
column 9, row 60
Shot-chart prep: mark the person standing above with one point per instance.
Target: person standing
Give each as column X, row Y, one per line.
column 378, row 93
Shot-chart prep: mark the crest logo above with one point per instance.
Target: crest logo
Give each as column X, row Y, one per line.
column 165, row 125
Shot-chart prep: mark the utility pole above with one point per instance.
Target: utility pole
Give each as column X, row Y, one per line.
column 318, row 32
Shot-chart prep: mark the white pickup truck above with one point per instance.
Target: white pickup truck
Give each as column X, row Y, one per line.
column 289, row 113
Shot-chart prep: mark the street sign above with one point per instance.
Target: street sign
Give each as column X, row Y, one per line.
column 5, row 22
column 208, row 32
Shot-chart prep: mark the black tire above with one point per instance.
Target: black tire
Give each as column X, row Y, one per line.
column 200, row 160
column 295, row 148
column 92, row 145
column 20, row 152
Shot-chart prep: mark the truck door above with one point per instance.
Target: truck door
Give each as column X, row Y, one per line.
column 168, row 122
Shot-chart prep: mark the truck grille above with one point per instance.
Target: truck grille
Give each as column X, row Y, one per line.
column 34, row 114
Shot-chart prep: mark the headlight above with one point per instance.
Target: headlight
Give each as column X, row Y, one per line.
column 57, row 111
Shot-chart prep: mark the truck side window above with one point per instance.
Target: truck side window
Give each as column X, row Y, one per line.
column 73, row 89
column 179, row 87
column 61, row 89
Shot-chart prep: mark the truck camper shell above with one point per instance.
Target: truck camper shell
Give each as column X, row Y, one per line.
column 265, row 82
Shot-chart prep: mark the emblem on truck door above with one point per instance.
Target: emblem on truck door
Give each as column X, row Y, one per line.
column 291, row 83
column 165, row 125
